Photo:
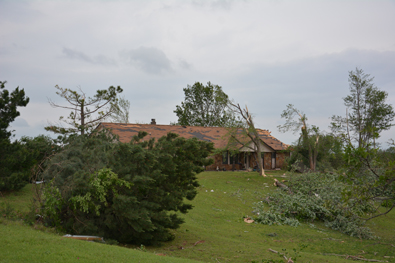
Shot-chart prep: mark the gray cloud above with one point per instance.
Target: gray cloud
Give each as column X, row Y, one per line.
column 184, row 64
column 216, row 4
column 149, row 59
column 99, row 59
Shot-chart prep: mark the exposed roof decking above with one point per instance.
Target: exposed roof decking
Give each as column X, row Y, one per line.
column 218, row 135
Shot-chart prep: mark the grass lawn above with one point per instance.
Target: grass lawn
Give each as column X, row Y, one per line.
column 214, row 231
column 216, row 226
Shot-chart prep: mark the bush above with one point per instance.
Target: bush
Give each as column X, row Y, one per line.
column 129, row 192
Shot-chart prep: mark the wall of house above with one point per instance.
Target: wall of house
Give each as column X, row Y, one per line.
column 218, row 163
column 280, row 160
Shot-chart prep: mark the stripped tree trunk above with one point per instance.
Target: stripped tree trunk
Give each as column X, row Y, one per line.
column 252, row 133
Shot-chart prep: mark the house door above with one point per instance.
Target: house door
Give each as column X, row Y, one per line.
column 274, row 160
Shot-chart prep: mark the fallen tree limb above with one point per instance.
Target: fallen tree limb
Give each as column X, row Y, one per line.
column 281, row 185
column 353, row 257
column 274, row 251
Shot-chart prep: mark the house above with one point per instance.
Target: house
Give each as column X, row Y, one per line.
column 274, row 151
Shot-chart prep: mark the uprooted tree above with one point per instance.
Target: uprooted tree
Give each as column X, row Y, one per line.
column 130, row 192
column 86, row 112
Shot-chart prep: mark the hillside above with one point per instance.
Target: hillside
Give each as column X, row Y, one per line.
column 214, row 231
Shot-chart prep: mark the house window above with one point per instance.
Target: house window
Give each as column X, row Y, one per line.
column 234, row 159
column 225, row 157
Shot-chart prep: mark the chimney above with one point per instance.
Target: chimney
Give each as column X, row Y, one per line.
column 153, row 122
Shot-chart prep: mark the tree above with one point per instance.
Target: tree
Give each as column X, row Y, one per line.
column 205, row 106
column 330, row 153
column 369, row 174
column 8, row 108
column 121, row 113
column 310, row 136
column 86, row 112
column 13, row 159
column 249, row 131
column 131, row 192
column 369, row 115
column 40, row 149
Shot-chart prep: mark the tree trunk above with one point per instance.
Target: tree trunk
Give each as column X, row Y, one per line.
column 82, row 119
column 259, row 156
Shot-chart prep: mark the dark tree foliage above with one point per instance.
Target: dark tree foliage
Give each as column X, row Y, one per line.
column 15, row 164
column 205, row 106
column 39, row 149
column 13, row 158
column 25, row 159
column 8, row 108
column 150, row 181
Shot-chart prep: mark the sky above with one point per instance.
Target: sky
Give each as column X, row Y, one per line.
column 264, row 54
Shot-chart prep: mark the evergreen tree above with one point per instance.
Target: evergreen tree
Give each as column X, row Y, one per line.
column 130, row 192
column 8, row 108
column 86, row 112
column 13, row 166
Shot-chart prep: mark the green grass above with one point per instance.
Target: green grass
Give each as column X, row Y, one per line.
column 214, row 231
column 19, row 200
column 217, row 219
column 19, row 243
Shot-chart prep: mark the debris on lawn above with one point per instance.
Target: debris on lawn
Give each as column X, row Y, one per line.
column 354, row 257
column 289, row 260
column 199, row 242
column 87, row 238
column 248, row 220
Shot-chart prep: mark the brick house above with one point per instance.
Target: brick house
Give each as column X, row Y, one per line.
column 241, row 156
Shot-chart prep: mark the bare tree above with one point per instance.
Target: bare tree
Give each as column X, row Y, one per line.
column 86, row 112
column 250, row 131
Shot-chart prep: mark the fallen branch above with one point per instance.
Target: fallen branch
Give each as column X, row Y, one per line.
column 353, row 257
column 281, row 185
column 274, row 251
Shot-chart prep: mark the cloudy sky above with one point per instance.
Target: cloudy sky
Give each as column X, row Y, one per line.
column 264, row 54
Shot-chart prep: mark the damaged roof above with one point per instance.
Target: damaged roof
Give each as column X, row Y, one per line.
column 218, row 135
